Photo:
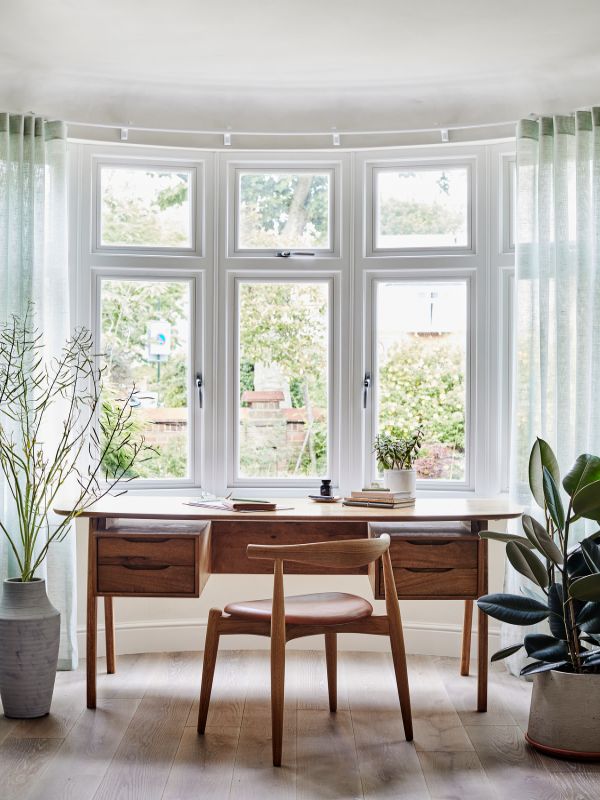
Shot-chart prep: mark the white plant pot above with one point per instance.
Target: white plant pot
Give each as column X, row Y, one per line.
column 401, row 480
column 564, row 719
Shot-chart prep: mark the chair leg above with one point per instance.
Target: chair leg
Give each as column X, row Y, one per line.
column 466, row 638
column 277, row 692
column 399, row 659
column 331, row 658
column 208, row 668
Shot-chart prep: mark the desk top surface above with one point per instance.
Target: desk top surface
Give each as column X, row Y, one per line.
column 298, row 508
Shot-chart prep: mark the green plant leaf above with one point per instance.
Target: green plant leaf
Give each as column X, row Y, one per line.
column 545, row 648
column 541, row 539
column 553, row 501
column 588, row 619
column 542, row 666
column 506, row 652
column 513, row 608
column 591, row 553
column 586, row 503
column 505, row 537
column 577, row 566
column 527, row 563
column 541, row 456
column 556, row 620
column 587, row 588
column 586, row 469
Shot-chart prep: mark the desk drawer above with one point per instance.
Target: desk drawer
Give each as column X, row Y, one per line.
column 422, row 554
column 434, row 582
column 132, row 579
column 147, row 565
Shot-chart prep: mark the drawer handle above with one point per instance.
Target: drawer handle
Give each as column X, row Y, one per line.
column 427, row 544
column 153, row 567
column 146, row 540
column 428, row 569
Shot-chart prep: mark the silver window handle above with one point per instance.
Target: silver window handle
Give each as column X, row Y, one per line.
column 199, row 386
column 366, row 387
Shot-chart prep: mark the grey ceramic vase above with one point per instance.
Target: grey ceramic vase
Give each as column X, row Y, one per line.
column 29, row 639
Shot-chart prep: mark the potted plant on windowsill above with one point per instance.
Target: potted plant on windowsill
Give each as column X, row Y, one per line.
column 48, row 441
column 396, row 456
column 564, row 718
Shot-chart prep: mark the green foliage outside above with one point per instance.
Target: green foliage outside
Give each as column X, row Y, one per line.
column 403, row 217
column 421, row 382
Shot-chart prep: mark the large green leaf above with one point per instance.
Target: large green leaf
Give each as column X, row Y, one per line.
column 506, row 652
column 588, row 619
column 553, row 501
column 556, row 620
column 545, row 648
column 527, row 563
column 577, row 566
column 542, row 666
column 586, row 503
column 591, row 553
column 513, row 609
column 587, row 588
column 541, row 539
column 505, row 537
column 541, row 456
column 586, row 469
column 593, row 660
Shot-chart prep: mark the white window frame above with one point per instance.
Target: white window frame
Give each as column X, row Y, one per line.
column 371, row 365
column 194, row 439
column 234, row 480
column 278, row 162
column 196, row 202
column 370, row 224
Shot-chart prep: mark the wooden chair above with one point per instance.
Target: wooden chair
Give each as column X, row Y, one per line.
column 286, row 618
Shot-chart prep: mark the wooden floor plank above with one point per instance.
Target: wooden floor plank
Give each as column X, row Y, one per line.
column 203, row 766
column 86, row 753
column 228, row 691
column 451, row 776
column 21, row 761
column 462, row 691
column 141, row 765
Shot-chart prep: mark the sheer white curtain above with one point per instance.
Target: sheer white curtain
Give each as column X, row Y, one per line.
column 34, row 268
column 557, row 303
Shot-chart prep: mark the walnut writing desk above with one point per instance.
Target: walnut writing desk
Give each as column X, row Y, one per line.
column 160, row 547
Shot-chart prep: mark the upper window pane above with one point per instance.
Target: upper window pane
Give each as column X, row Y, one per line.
column 284, row 210
column 421, row 340
column 283, row 356
column 421, row 208
column 147, row 207
column 145, row 340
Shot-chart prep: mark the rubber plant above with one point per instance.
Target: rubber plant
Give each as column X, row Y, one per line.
column 566, row 574
column 397, row 452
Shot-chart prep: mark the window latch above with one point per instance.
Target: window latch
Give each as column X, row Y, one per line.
column 199, row 386
column 366, row 387
column 288, row 253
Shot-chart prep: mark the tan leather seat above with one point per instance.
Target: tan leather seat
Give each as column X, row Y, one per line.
column 326, row 608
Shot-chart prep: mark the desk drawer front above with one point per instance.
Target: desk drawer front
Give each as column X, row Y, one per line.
column 435, row 581
column 154, row 551
column 132, row 579
column 448, row 553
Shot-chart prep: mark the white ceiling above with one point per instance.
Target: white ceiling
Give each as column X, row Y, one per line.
column 298, row 65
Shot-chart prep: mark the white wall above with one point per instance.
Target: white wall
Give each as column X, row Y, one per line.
column 162, row 624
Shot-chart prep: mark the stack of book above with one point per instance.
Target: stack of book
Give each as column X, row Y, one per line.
column 379, row 498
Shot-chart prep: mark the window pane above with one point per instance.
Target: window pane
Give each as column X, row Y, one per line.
column 421, row 208
column 146, row 341
column 283, row 368
column 421, row 339
column 145, row 207
column 284, row 210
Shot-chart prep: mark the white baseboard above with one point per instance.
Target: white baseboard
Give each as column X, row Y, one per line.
column 423, row 638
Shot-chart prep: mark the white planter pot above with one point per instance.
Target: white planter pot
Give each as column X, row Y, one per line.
column 401, row 480
column 564, row 719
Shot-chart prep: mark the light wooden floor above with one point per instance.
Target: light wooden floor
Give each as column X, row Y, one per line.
column 141, row 742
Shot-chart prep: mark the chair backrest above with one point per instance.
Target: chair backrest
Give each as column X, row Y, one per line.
column 339, row 553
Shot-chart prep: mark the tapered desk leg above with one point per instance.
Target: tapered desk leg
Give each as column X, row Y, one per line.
column 109, row 627
column 92, row 619
column 466, row 638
